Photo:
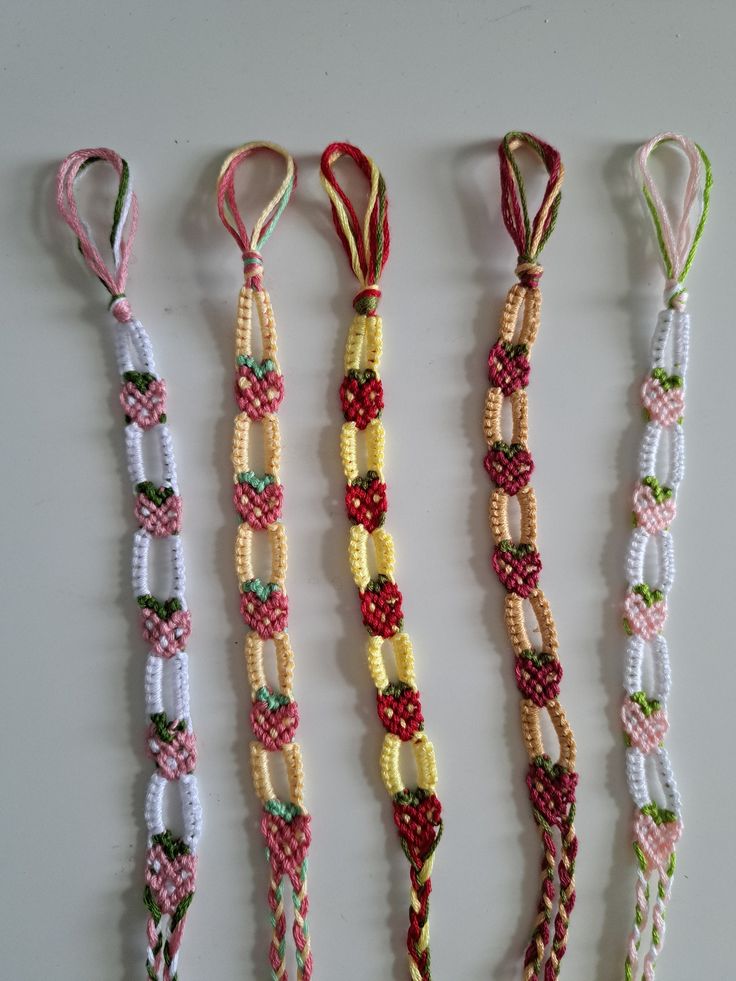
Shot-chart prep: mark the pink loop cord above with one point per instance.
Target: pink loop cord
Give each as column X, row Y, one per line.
column 126, row 213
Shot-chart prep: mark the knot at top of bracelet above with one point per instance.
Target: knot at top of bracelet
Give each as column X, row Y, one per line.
column 675, row 295
column 529, row 273
column 365, row 301
column 120, row 308
column 252, row 266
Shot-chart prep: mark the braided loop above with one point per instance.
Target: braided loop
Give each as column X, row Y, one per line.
column 171, row 861
column 551, row 785
column 258, row 499
column 658, row 808
column 417, row 811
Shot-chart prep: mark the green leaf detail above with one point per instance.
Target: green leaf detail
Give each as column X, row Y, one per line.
column 518, row 550
column 537, row 658
column 254, row 480
column 659, row 493
column 667, row 381
column 509, row 450
column 141, row 379
column 164, row 729
column 362, row 375
column 259, row 368
column 660, row 815
column 514, row 350
column 261, row 589
column 156, row 495
column 647, row 705
column 649, row 595
column 283, row 809
column 364, row 482
column 163, row 610
column 274, row 700
column 173, row 847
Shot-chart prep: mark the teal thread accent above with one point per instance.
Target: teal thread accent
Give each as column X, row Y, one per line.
column 277, row 213
column 283, row 809
column 259, row 368
column 261, row 589
column 254, row 480
column 273, row 700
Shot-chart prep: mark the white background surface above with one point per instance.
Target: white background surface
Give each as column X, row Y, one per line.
column 427, row 89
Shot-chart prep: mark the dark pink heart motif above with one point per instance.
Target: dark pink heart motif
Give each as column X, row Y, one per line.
column 508, row 366
column 274, row 719
column 517, row 566
column 167, row 636
column 288, row 836
column 264, row 607
column 551, row 790
column 418, row 819
column 510, row 466
column 143, row 398
column 538, row 676
column 259, row 388
column 258, row 500
column 158, row 510
column 171, row 872
column 400, row 710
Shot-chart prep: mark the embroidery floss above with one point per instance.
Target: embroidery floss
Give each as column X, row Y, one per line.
column 258, row 498
column 658, row 819
column 417, row 811
column 518, row 565
column 171, row 861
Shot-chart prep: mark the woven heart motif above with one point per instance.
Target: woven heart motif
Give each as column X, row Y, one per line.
column 258, row 500
column 274, row 718
column 380, row 604
column 538, row 676
column 551, row 789
column 400, row 710
column 166, row 635
column 517, row 566
column 361, row 396
column 158, row 509
column 645, row 611
column 366, row 501
column 170, row 872
column 259, row 387
column 171, row 746
column 288, row 836
column 657, row 831
column 508, row 366
column 654, row 506
column 418, row 819
column 645, row 724
column 510, row 466
column 143, row 398
column 663, row 397
column 264, row 607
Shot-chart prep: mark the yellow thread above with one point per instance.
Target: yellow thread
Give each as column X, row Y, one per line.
column 284, row 657
column 424, row 760
column 271, row 434
column 516, row 627
column 358, row 556
column 375, row 444
column 342, row 216
column 532, row 731
column 260, row 762
column 243, row 330
column 244, row 553
column 493, row 417
column 403, row 655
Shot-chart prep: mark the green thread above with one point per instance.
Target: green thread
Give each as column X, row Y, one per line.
column 262, row 590
column 667, row 381
column 156, row 495
column 517, row 550
column 259, row 368
column 647, row 705
column 660, row 815
column 649, row 595
column 254, row 480
column 163, row 610
column 173, row 847
column 283, row 809
column 659, row 493
column 141, row 379
column 274, row 700
column 529, row 140
column 163, row 726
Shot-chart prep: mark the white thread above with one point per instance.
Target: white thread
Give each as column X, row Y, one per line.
column 141, row 549
column 641, row 540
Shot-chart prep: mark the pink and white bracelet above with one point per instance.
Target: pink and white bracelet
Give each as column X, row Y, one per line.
column 658, row 817
column 171, row 860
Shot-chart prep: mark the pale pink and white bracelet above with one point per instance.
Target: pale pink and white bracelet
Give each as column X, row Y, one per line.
column 171, row 859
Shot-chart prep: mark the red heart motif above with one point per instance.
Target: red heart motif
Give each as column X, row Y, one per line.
column 166, row 636
column 366, row 501
column 551, row 790
column 143, row 399
column 287, row 842
column 510, row 466
column 418, row 819
column 380, row 604
column 258, row 394
column 170, row 872
column 274, row 719
column 508, row 366
column 361, row 396
column 538, row 677
column 517, row 566
column 267, row 615
column 657, row 838
column 159, row 520
column 645, row 731
column 400, row 710
column 259, row 509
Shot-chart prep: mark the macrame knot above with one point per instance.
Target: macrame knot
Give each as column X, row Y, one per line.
column 675, row 295
column 529, row 273
column 120, row 308
column 365, row 301
column 418, row 819
column 551, row 790
column 252, row 266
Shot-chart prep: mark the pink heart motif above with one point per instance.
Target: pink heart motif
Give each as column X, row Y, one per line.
column 259, row 508
column 274, row 719
column 166, row 636
column 143, row 398
column 259, row 388
column 170, row 873
column 650, row 513
column 264, row 607
column 288, row 837
column 657, row 836
column 646, row 731
column 158, row 510
column 664, row 402
column 645, row 611
column 171, row 746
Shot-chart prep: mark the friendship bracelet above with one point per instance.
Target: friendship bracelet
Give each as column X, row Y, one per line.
column 258, row 499
column 171, row 861
column 417, row 812
column 658, row 820
column 518, row 564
